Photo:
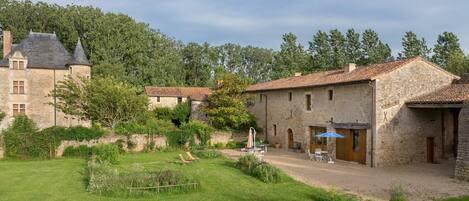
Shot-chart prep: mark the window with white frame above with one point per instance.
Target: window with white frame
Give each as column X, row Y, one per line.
column 19, row 109
column 18, row 87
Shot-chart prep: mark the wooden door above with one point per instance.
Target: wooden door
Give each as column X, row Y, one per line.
column 290, row 139
column 430, row 149
column 342, row 145
column 359, row 146
column 353, row 146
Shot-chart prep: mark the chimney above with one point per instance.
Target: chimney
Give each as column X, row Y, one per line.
column 7, row 42
column 349, row 67
column 297, row 74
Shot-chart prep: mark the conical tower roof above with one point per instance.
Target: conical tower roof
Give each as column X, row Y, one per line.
column 79, row 56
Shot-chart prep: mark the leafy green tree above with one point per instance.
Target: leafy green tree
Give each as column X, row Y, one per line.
column 102, row 99
column 374, row 51
column 226, row 106
column 413, row 46
column 257, row 63
column 447, row 46
column 320, row 51
column 230, row 57
column 458, row 63
column 353, row 51
column 338, row 49
column 292, row 57
column 198, row 63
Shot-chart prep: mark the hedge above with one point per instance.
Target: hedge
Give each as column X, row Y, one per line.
column 24, row 140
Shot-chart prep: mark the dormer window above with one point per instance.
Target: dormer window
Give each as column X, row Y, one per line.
column 18, row 65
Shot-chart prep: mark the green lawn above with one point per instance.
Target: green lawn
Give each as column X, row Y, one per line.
column 62, row 179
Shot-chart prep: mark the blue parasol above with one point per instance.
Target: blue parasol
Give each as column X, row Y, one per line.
column 330, row 135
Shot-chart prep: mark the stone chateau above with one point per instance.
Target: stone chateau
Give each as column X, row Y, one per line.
column 30, row 70
column 390, row 113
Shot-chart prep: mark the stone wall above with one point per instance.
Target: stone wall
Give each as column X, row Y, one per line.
column 140, row 142
column 402, row 131
column 165, row 101
column 38, row 83
column 351, row 103
column 462, row 162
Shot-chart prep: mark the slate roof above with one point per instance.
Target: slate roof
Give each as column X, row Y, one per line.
column 79, row 56
column 44, row 50
column 195, row 93
column 360, row 74
column 452, row 94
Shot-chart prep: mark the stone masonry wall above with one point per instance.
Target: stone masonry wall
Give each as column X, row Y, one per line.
column 462, row 162
column 38, row 83
column 402, row 131
column 170, row 102
column 350, row 104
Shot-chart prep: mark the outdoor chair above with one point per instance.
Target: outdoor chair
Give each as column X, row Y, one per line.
column 310, row 155
column 318, row 154
column 184, row 161
column 191, row 158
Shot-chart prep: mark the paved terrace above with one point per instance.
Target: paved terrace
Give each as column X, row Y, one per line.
column 421, row 181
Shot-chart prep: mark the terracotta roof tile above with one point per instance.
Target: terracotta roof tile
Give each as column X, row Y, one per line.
column 452, row 94
column 332, row 77
column 195, row 93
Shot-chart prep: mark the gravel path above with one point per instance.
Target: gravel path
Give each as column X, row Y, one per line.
column 420, row 181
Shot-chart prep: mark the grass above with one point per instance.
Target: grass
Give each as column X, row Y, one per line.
column 464, row 198
column 62, row 179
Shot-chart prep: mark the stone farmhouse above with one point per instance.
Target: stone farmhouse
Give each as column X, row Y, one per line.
column 390, row 113
column 30, row 70
column 171, row 96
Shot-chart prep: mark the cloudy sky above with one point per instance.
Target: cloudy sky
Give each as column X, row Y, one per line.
column 262, row 22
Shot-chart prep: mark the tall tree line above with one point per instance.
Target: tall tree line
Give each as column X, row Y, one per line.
column 117, row 45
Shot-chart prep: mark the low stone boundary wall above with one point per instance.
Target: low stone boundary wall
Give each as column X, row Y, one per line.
column 140, row 142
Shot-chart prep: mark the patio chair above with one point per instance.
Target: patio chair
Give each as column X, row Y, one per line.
column 184, row 161
column 318, row 154
column 310, row 155
column 191, row 158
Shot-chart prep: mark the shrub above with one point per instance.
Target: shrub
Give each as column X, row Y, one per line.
column 81, row 133
column 182, row 112
column 20, row 140
column 197, row 129
column 247, row 162
column 82, row 151
column 266, row 173
column 397, row 194
column 219, row 145
column 163, row 113
column 106, row 153
column 231, row 145
column 207, row 153
column 103, row 179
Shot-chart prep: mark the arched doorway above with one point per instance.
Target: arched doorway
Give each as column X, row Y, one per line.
column 290, row 138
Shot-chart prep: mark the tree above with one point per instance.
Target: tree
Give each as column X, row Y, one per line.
column 291, row 58
column 447, row 46
column 374, row 51
column 458, row 63
column 337, row 43
column 101, row 99
column 320, row 51
column 226, row 106
column 257, row 63
column 198, row 61
column 413, row 46
column 353, row 52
